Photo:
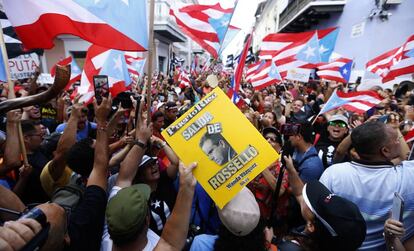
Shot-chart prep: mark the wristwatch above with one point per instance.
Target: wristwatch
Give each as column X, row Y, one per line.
column 140, row 144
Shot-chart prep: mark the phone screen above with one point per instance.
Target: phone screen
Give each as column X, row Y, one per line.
column 101, row 86
column 397, row 207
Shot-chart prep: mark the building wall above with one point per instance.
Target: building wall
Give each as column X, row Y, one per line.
column 54, row 55
column 378, row 36
column 267, row 23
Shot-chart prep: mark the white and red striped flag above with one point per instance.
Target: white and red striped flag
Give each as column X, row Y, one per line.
column 395, row 63
column 208, row 25
column 358, row 102
column 263, row 74
column 232, row 93
column 112, row 24
column 405, row 66
column 103, row 61
column 338, row 70
column 75, row 71
column 297, row 50
column 135, row 65
column 184, row 80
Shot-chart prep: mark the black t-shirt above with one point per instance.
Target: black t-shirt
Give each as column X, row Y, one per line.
column 162, row 203
column 326, row 149
column 33, row 192
column 87, row 221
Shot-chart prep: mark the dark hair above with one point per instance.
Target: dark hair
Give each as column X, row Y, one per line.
column 80, row 157
column 28, row 127
column 367, row 139
column 306, row 131
column 254, row 241
column 156, row 115
column 215, row 138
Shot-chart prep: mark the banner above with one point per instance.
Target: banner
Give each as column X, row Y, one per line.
column 229, row 150
column 23, row 66
column 298, row 74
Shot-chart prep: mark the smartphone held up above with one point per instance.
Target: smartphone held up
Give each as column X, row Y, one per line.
column 101, row 86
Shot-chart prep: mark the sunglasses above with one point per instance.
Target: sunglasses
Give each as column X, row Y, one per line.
column 336, row 123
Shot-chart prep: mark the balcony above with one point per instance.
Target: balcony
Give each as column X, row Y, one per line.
column 164, row 25
column 300, row 15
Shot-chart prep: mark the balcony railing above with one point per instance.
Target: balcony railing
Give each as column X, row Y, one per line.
column 296, row 6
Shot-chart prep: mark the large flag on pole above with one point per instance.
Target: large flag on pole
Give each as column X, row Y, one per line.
column 207, row 25
column 358, row 102
column 298, row 50
column 116, row 24
column 238, row 72
column 13, row 44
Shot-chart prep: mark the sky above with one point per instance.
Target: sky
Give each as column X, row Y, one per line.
column 242, row 18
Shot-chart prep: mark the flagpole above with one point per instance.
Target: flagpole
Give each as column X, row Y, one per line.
column 227, row 29
column 150, row 59
column 12, row 95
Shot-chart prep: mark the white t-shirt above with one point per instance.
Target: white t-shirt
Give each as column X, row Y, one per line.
column 106, row 244
column 371, row 188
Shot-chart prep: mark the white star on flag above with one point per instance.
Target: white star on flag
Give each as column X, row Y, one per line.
column 344, row 71
column 118, row 63
column 322, row 49
column 156, row 204
column 310, row 52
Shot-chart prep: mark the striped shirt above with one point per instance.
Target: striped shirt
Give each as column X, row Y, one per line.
column 371, row 188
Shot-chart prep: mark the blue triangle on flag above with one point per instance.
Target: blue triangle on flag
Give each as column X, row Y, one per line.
column 327, row 45
column 410, row 53
column 310, row 52
column 333, row 102
column 274, row 72
column 115, row 67
column 220, row 25
column 3, row 75
column 345, row 71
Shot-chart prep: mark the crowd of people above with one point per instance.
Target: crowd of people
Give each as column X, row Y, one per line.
column 102, row 177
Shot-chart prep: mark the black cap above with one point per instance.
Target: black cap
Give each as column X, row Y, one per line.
column 272, row 129
column 171, row 105
column 341, row 217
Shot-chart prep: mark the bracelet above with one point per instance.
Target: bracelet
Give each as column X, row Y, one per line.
column 140, row 144
column 163, row 144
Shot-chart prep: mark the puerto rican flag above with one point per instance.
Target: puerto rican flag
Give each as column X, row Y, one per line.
column 184, row 80
column 298, row 50
column 338, row 70
column 135, row 65
column 404, row 67
column 207, row 25
column 358, row 102
column 381, row 64
column 117, row 24
column 75, row 71
column 263, row 74
column 232, row 93
column 103, row 61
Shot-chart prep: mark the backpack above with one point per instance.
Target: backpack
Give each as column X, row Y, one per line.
column 71, row 195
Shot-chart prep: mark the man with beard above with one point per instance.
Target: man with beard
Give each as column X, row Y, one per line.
column 337, row 130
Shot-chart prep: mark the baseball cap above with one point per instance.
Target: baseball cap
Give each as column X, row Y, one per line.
column 241, row 215
column 273, row 130
column 171, row 105
column 339, row 117
column 341, row 217
column 126, row 211
column 146, row 160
